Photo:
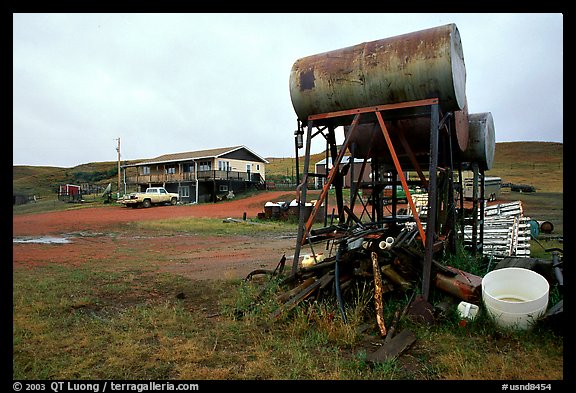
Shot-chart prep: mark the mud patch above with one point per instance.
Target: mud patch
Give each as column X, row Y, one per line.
column 42, row 240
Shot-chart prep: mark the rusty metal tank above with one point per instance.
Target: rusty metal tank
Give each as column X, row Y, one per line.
column 370, row 143
column 481, row 141
column 414, row 66
column 460, row 129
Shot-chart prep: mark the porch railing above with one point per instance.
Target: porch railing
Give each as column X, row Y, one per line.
column 189, row 176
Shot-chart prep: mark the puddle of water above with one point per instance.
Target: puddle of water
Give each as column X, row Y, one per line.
column 42, row 240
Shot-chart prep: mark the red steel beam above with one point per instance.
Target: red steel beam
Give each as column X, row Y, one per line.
column 401, row 175
column 378, row 108
column 331, row 176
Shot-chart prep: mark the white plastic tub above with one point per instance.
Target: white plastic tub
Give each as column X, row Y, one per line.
column 515, row 297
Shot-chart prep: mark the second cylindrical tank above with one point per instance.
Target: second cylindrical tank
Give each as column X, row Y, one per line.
column 481, row 140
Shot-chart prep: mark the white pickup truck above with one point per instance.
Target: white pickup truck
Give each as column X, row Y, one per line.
column 152, row 196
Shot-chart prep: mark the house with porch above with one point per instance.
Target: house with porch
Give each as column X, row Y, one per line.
column 199, row 176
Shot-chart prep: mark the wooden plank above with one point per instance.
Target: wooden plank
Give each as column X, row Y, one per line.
column 290, row 304
column 398, row 344
column 307, row 288
column 284, row 297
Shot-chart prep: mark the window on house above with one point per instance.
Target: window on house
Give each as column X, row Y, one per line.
column 257, row 167
column 223, row 165
column 184, row 191
column 145, row 170
column 204, row 166
column 170, row 170
column 188, row 167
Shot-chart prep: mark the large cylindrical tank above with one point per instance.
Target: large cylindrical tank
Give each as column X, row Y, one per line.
column 369, row 140
column 414, row 66
column 481, row 140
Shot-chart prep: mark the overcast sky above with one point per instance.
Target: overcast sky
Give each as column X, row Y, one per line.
column 171, row 83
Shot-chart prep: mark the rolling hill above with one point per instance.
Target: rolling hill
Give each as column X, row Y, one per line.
column 536, row 163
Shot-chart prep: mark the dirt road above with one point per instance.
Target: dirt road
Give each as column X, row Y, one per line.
column 92, row 235
column 99, row 218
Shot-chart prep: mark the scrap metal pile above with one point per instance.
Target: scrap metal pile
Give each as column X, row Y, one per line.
column 387, row 260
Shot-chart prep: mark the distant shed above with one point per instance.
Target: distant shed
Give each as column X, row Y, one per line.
column 70, row 193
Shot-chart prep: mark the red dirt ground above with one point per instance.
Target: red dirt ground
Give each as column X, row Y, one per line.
column 95, row 235
column 97, row 218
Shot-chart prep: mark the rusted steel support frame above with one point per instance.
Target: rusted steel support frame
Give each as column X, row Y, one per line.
column 432, row 197
column 375, row 175
column 352, row 216
column 326, row 171
column 408, row 150
column 321, row 132
column 312, row 249
column 375, row 190
column 303, row 231
column 450, row 227
column 475, row 207
column 401, row 175
column 461, row 199
column 394, row 192
column 365, row 210
column 401, row 105
column 326, row 160
column 301, row 194
column 482, row 196
column 356, row 188
column 338, row 180
column 333, row 172
column 352, row 183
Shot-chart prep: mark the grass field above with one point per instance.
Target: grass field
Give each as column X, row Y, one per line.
column 104, row 320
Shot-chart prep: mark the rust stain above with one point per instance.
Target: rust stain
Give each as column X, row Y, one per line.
column 307, row 79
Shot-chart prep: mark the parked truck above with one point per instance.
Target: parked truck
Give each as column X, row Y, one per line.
column 152, row 196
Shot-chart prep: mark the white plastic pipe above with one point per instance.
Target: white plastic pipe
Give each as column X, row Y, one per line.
column 386, row 244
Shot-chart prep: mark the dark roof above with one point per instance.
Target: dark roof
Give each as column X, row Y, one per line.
column 194, row 156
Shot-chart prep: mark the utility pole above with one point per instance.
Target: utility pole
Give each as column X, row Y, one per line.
column 118, row 150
